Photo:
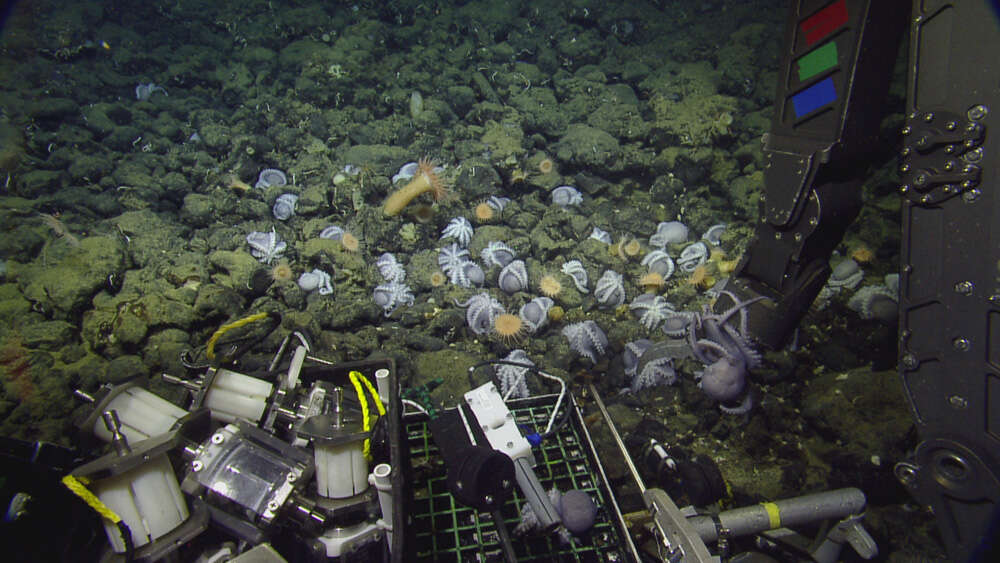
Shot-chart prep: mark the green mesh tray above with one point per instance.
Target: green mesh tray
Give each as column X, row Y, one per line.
column 439, row 529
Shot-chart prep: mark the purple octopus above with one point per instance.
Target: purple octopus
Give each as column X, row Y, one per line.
column 727, row 354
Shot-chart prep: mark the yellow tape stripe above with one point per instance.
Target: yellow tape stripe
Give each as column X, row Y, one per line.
column 773, row 514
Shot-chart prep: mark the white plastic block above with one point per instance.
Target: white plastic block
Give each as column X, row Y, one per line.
column 497, row 422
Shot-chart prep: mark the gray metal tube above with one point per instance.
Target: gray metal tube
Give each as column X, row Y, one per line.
column 782, row 513
column 535, row 494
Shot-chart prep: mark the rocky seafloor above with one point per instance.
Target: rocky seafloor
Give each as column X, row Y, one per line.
column 132, row 137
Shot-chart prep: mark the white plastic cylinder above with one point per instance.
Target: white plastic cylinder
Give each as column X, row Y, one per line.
column 382, row 383
column 341, row 471
column 234, row 395
column 147, row 499
column 295, row 367
column 379, row 478
column 142, row 415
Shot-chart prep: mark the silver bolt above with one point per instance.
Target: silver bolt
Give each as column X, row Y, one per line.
column 964, row 287
column 291, row 477
column 910, row 361
column 273, row 505
column 995, row 299
column 971, row 195
column 798, row 237
column 950, row 126
column 218, row 438
column 958, row 402
column 906, row 130
column 975, row 155
column 488, row 499
column 906, row 473
column 197, row 466
column 961, row 344
column 928, row 117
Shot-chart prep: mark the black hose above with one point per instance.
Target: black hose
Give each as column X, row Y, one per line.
column 127, row 538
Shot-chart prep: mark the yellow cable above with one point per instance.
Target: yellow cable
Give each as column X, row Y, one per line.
column 356, row 380
column 78, row 488
column 374, row 393
column 210, row 347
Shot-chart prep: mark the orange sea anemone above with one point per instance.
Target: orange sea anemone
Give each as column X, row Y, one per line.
column 282, row 272
column 719, row 258
column 652, row 282
column 438, row 278
column 625, row 248
column 425, row 180
column 546, row 165
column 484, row 212
column 350, row 242
column 508, row 328
column 862, row 254
column 727, row 267
column 550, row 286
column 632, row 248
column 701, row 277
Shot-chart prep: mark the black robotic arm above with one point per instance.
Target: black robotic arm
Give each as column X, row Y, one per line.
column 830, row 100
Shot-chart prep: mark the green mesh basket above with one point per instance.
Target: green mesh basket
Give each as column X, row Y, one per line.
column 439, row 529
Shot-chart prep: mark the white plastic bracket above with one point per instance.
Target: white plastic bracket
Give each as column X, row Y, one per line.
column 497, row 422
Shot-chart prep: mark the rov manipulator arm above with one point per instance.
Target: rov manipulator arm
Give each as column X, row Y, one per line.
column 837, row 62
column 835, row 73
column 950, row 274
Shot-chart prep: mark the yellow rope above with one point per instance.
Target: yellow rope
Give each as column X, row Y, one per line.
column 210, row 347
column 80, row 490
column 357, row 379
